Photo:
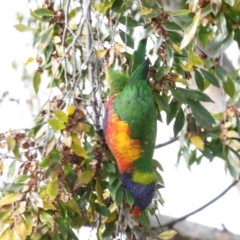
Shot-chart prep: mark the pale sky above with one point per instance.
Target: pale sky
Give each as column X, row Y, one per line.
column 185, row 190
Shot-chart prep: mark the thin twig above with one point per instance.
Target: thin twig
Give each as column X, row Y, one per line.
column 91, row 60
column 166, row 143
column 137, row 233
column 171, row 223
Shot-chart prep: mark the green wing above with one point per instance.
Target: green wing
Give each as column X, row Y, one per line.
column 135, row 105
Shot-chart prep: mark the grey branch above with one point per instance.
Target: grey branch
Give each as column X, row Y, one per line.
column 166, row 143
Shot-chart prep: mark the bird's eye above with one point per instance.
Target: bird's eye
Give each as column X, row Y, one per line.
column 140, row 197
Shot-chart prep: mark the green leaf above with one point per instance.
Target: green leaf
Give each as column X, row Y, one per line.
column 11, row 169
column 127, row 40
column 46, row 218
column 195, row 95
column 200, row 113
column 115, row 186
column 34, row 15
column 130, row 199
column 112, row 178
column 61, row 115
column 160, row 72
column 199, row 80
column 117, row 4
column 104, row 211
column 15, row 187
column 221, row 73
column 151, row 15
column 210, row 77
column 72, row 204
column 161, row 101
column 180, row 12
column 73, row 12
column 119, row 196
column 56, row 124
column 99, row 191
column 173, row 111
column 36, row 81
column 128, row 21
column 179, row 97
column 172, row 26
column 109, row 167
column 229, row 87
column 8, row 199
column 21, row 178
column 84, row 178
column 43, row 12
column 109, row 229
column 157, row 164
column 179, row 122
column 23, row 28
column 52, row 188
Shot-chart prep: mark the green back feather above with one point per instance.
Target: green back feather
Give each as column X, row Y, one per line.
column 135, row 105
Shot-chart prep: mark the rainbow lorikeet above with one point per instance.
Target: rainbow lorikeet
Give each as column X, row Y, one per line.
column 130, row 129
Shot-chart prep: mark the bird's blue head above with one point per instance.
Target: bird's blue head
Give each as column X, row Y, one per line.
column 142, row 194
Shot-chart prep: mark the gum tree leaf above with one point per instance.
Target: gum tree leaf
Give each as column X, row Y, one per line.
column 52, row 189
column 43, row 12
column 34, row 15
column 84, row 178
column 210, row 77
column 167, row 235
column 8, row 199
column 190, row 32
column 47, row 219
column 56, row 124
column 199, row 80
column 229, row 87
column 36, row 81
column 104, row 211
column 179, row 122
column 73, row 205
column 221, row 73
column 23, row 28
column 127, row 40
column 79, row 150
column 129, row 21
column 119, row 196
column 11, row 143
column 61, row 115
column 200, row 113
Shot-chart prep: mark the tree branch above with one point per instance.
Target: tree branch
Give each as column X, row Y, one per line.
column 91, row 63
column 166, row 143
column 171, row 223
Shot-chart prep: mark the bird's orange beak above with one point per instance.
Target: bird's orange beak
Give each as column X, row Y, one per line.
column 136, row 211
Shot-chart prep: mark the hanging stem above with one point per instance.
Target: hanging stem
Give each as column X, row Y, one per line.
column 91, row 61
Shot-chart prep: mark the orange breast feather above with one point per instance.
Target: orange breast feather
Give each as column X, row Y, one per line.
column 117, row 135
